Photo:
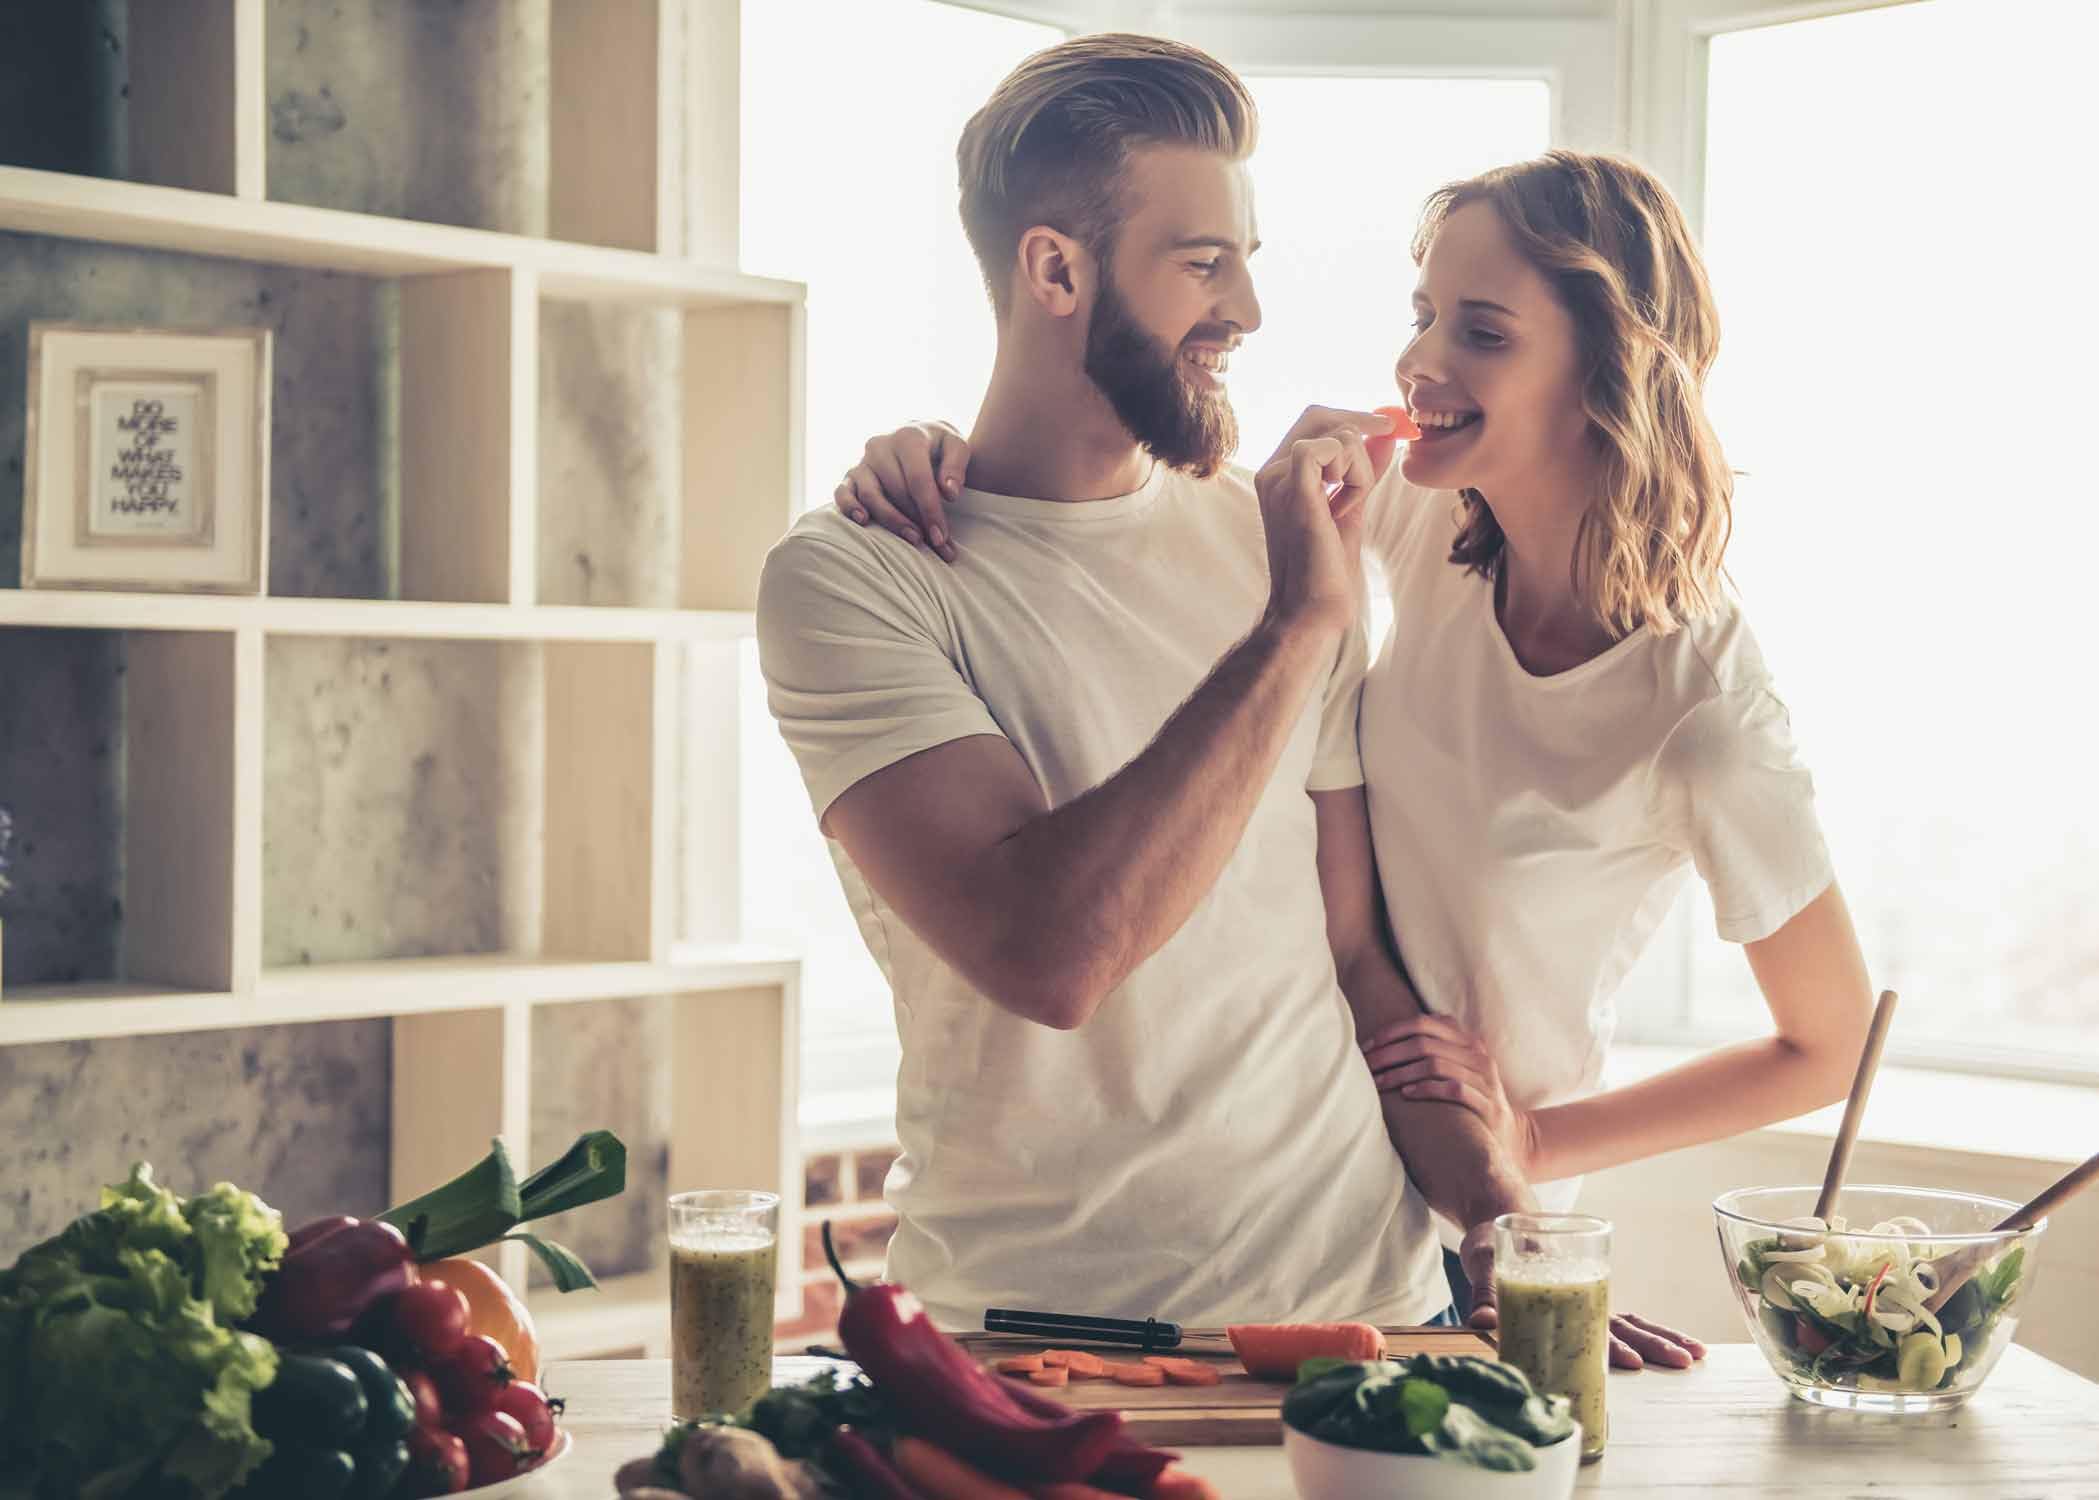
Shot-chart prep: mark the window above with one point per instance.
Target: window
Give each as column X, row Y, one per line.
column 1908, row 310
column 898, row 327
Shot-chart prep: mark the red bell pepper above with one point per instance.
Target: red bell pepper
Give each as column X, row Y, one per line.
column 333, row 1274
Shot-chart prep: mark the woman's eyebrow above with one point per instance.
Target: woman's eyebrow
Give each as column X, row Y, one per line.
column 1484, row 304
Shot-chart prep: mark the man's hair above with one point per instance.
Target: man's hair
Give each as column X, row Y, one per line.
column 1050, row 145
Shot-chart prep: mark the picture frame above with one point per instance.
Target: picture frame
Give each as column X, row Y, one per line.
column 148, row 459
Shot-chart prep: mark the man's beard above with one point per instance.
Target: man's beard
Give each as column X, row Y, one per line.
column 1182, row 426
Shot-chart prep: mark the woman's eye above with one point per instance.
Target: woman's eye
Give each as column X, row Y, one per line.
column 1486, row 338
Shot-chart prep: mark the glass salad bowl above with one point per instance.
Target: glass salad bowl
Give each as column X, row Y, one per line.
column 1856, row 1313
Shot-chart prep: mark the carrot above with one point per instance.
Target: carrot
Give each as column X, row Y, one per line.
column 1176, row 1483
column 1084, row 1366
column 1056, row 1357
column 1273, row 1351
column 1137, row 1374
column 1190, row 1372
column 1163, row 1360
column 1020, row 1364
column 1054, row 1375
column 939, row 1475
column 1403, row 426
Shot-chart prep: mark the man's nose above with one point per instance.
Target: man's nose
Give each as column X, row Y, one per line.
column 1240, row 306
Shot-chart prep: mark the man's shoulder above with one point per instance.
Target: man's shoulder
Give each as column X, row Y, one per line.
column 825, row 562
column 823, row 543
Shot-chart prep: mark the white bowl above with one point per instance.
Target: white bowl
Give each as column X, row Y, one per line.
column 1328, row 1471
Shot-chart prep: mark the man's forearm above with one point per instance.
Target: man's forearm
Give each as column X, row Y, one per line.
column 1448, row 1150
column 1102, row 882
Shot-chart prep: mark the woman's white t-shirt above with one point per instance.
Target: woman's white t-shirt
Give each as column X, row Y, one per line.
column 1532, row 832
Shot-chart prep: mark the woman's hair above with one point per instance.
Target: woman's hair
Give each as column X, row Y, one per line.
column 1615, row 247
column 1051, row 144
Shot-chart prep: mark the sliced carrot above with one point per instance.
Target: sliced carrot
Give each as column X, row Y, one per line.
column 1163, row 1360
column 1056, row 1357
column 1054, row 1375
column 1084, row 1366
column 1137, row 1374
column 939, row 1475
column 1273, row 1351
column 1020, row 1364
column 1176, row 1483
column 1190, row 1372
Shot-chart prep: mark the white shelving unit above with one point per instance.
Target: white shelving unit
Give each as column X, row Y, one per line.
column 629, row 158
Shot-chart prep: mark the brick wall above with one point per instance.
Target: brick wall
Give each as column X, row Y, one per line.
column 846, row 1188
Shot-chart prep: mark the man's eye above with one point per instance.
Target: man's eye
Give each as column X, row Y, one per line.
column 1204, row 266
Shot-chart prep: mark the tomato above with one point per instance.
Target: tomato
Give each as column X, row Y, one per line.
column 425, row 1324
column 429, row 1406
column 494, row 1309
column 437, row 1462
column 473, row 1375
column 495, row 1446
column 534, row 1412
column 1807, row 1338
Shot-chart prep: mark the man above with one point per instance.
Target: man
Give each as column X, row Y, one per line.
column 1079, row 791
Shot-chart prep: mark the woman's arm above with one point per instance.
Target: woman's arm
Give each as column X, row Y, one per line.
column 1814, row 980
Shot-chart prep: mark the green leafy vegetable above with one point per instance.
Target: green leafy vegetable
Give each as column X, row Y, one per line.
column 1470, row 1411
column 118, row 1359
column 486, row 1202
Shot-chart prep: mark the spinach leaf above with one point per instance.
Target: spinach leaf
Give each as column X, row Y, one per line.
column 1469, row 1438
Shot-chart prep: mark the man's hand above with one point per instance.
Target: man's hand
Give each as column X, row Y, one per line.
column 1312, row 492
column 1635, row 1342
column 1429, row 1057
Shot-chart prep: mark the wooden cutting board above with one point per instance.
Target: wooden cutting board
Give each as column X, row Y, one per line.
column 1239, row 1410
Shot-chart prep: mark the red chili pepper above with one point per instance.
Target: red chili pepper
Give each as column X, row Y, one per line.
column 331, row 1278
column 871, row 1476
column 942, row 1394
column 1131, row 1467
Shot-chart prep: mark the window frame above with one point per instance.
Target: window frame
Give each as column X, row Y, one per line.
column 1579, row 60
column 1670, row 45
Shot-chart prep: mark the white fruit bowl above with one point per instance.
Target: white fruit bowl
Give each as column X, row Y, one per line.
column 1327, row 1471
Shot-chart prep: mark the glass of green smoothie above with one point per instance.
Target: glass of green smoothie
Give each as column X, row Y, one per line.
column 1552, row 1285
column 725, row 1265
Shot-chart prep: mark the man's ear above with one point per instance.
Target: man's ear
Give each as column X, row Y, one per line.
column 1052, row 269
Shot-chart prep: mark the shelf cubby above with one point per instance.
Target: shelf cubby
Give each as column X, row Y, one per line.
column 253, row 788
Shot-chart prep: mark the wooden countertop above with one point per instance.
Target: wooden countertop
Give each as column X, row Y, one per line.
column 1727, row 1427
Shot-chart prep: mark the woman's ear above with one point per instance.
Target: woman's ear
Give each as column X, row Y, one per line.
column 1052, row 266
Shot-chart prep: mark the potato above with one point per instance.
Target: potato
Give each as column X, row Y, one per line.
column 639, row 1477
column 734, row 1463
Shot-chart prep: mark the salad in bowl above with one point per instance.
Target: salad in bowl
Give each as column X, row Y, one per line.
column 1903, row 1302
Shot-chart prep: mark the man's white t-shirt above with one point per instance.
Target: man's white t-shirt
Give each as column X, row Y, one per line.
column 1208, row 1147
column 1532, row 832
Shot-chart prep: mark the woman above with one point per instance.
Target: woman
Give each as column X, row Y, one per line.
column 1570, row 713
